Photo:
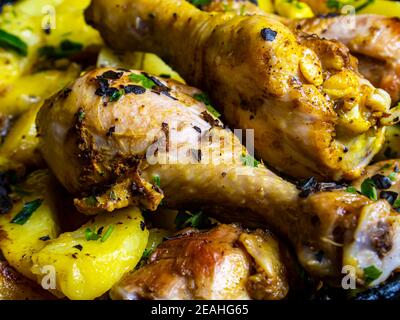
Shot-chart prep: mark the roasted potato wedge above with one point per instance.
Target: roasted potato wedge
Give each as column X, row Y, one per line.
column 90, row 260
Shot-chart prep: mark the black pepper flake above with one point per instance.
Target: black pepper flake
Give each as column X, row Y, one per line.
column 381, row 182
column 65, row 93
column 197, row 129
column 75, row 256
column 110, row 131
column 268, row 34
column 196, row 154
column 131, row 88
column 389, row 196
column 166, row 93
column 79, row 247
column 142, row 225
column 112, row 75
column 44, row 238
column 311, row 185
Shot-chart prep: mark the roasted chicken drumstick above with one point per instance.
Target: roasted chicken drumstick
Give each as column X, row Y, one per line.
column 311, row 111
column 120, row 137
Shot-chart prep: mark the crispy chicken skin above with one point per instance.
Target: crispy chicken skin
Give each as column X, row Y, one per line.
column 111, row 152
column 311, row 112
column 374, row 39
column 225, row 262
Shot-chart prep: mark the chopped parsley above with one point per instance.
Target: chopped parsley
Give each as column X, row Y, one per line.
column 93, row 235
column 12, row 42
column 116, row 95
column 157, row 181
column 196, row 220
column 144, row 80
column 368, row 189
column 371, row 273
column 107, row 233
column 28, row 209
column 66, row 49
column 351, row 189
column 249, row 161
column 392, row 176
column 396, row 204
column 203, row 97
column 199, row 3
column 91, row 201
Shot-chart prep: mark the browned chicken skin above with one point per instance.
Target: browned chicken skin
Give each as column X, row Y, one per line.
column 374, row 39
column 119, row 146
column 223, row 263
column 311, row 112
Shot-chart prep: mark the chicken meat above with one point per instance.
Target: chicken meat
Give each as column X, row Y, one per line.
column 117, row 137
column 311, row 111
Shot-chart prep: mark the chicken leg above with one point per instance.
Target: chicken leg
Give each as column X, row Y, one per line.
column 312, row 113
column 120, row 137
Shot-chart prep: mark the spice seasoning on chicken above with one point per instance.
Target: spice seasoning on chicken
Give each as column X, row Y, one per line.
column 268, row 34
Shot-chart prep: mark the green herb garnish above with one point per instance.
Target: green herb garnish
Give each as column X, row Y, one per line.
column 12, row 42
column 392, row 176
column 203, row 97
column 141, row 78
column 117, row 95
column 28, row 209
column 396, row 204
column 92, row 235
column 66, row 49
column 107, row 233
column 249, row 161
column 371, row 273
column 91, row 201
column 199, row 3
column 187, row 219
column 157, row 180
column 368, row 189
column 351, row 189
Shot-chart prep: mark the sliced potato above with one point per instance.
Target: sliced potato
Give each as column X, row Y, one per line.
column 33, row 89
column 19, row 241
column 86, row 269
column 148, row 62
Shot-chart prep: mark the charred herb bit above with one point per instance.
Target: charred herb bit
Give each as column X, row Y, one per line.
column 12, row 42
column 307, row 187
column 268, row 34
column 78, row 246
column 249, row 161
column 28, row 209
column 143, row 79
column 371, row 273
column 389, row 196
column 165, row 76
column 386, row 166
column 66, row 49
column 197, row 220
column 203, row 97
column 368, row 189
column 381, row 182
column 142, row 225
column 110, row 131
column 45, row 238
column 6, row 203
column 112, row 75
column 131, row 88
column 107, row 234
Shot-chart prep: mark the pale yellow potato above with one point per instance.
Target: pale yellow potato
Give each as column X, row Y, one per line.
column 147, row 62
column 19, row 242
column 91, row 269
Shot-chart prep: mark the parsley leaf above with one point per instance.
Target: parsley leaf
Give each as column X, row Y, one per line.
column 141, row 78
column 351, row 189
column 187, row 219
column 92, row 235
column 392, row 176
column 371, row 273
column 107, row 233
column 66, row 49
column 28, row 209
column 117, row 95
column 368, row 189
column 12, row 42
column 203, row 97
column 199, row 3
column 157, row 180
column 396, row 204
column 249, row 161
